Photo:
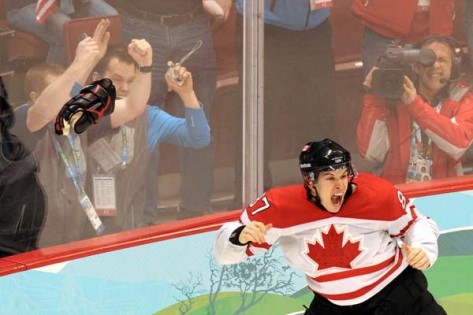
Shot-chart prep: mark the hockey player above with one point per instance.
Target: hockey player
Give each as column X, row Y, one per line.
column 360, row 242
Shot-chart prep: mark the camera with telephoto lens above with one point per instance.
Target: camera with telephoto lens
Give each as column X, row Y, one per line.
column 387, row 81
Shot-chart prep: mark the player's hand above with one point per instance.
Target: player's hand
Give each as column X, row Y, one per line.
column 254, row 232
column 416, row 257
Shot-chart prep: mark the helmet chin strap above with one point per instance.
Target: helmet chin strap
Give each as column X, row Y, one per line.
column 314, row 198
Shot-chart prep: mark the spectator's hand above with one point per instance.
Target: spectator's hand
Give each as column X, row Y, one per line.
column 254, row 232
column 87, row 51
column 226, row 6
column 102, row 37
column 184, row 84
column 140, row 50
column 369, row 78
column 92, row 49
column 218, row 9
column 416, row 257
column 410, row 92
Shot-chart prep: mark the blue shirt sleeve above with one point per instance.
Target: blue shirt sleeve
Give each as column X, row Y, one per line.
column 193, row 131
column 291, row 14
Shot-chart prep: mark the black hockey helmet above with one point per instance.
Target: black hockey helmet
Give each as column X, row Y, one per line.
column 322, row 156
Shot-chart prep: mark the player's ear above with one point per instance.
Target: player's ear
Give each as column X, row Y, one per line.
column 312, row 189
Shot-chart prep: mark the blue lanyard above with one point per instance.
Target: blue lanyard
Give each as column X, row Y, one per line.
column 75, row 154
column 124, row 144
column 74, row 174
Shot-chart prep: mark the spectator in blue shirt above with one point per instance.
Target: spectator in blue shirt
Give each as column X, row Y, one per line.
column 134, row 141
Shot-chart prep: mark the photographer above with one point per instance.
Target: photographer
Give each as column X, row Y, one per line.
column 425, row 132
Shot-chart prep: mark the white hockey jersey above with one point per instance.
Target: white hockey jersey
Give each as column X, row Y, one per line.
column 347, row 257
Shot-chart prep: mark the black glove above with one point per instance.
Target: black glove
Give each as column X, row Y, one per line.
column 92, row 103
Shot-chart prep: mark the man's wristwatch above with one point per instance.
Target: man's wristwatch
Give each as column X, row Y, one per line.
column 145, row 69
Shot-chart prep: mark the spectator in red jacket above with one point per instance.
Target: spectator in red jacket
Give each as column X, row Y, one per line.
column 425, row 133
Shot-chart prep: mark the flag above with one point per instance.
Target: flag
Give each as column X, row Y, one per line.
column 44, row 8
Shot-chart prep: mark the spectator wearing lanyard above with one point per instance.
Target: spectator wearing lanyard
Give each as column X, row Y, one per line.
column 63, row 160
column 132, row 143
column 426, row 132
column 173, row 27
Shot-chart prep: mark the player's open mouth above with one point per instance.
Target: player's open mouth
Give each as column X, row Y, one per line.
column 337, row 199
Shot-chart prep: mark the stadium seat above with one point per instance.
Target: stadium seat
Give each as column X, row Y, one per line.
column 18, row 49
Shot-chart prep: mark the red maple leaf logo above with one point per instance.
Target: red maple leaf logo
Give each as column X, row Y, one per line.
column 332, row 252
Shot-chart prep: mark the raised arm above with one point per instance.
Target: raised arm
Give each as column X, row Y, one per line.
column 193, row 131
column 135, row 103
column 89, row 51
column 185, row 89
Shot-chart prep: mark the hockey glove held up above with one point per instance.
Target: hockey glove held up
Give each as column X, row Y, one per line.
column 94, row 101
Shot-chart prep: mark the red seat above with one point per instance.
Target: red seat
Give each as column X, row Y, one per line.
column 20, row 46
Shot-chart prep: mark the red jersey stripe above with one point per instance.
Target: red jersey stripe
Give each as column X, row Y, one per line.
column 365, row 289
column 355, row 272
